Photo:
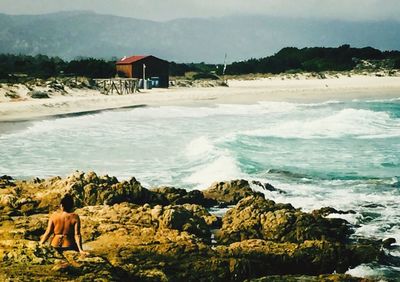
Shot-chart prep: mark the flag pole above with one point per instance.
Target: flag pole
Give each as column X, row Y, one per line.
column 224, row 69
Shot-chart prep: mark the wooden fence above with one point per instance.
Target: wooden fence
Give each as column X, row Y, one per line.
column 121, row 86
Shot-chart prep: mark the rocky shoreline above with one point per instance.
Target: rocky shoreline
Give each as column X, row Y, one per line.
column 169, row 234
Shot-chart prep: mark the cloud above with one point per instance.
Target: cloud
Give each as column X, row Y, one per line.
column 160, row 10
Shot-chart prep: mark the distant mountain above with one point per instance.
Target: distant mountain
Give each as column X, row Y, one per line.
column 73, row 34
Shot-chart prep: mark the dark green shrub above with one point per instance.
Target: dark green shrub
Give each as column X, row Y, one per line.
column 203, row 75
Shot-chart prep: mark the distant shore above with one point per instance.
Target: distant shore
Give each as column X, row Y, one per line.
column 297, row 88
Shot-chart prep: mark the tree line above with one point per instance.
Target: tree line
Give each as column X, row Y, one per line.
column 293, row 59
column 42, row 66
column 314, row 59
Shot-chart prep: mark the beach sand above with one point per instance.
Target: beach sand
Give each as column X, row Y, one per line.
column 279, row 88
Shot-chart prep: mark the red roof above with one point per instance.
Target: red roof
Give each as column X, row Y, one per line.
column 130, row 60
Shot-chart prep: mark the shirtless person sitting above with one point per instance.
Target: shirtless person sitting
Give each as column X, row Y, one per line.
column 66, row 227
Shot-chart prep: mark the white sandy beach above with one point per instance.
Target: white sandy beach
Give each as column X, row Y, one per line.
column 239, row 92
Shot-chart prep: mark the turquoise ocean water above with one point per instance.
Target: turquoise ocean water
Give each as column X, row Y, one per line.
column 340, row 154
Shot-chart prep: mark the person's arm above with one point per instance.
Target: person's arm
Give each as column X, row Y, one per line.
column 78, row 237
column 49, row 230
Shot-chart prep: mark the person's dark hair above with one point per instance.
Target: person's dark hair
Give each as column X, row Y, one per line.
column 68, row 203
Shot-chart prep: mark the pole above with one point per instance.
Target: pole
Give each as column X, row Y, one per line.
column 224, row 69
column 144, row 77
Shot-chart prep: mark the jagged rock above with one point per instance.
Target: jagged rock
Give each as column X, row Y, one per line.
column 8, row 197
column 39, row 195
column 43, row 195
column 13, row 202
column 230, row 192
column 26, row 252
column 185, row 258
column 6, row 181
column 135, row 234
column 181, row 219
column 127, row 218
column 257, row 218
column 211, row 220
column 387, row 243
column 176, row 196
column 325, row 211
column 267, row 187
column 177, row 256
column 22, row 227
column 25, row 260
column 373, row 206
column 289, row 258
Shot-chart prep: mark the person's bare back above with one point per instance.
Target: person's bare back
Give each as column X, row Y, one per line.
column 66, row 225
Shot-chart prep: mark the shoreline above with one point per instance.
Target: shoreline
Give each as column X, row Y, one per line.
column 276, row 89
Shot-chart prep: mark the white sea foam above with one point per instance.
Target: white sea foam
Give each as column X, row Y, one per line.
column 363, row 271
column 351, row 218
column 171, row 112
column 347, row 122
column 51, row 126
column 302, row 196
column 321, row 104
column 367, row 271
column 199, row 147
column 381, row 100
column 168, row 112
column 222, row 168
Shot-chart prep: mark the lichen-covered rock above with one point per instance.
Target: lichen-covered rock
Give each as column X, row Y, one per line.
column 25, row 260
column 14, row 202
column 269, row 258
column 186, row 259
column 89, row 189
column 257, row 218
column 181, row 219
column 23, row 227
column 135, row 234
column 40, row 196
column 210, row 219
column 25, row 252
column 8, row 199
column 229, row 192
column 6, row 181
column 132, row 219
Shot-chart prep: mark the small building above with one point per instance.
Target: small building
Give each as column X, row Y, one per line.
column 154, row 68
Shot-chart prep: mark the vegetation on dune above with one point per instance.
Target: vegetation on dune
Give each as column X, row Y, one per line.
column 314, row 59
column 287, row 60
column 203, row 69
column 42, row 66
column 90, row 67
column 292, row 60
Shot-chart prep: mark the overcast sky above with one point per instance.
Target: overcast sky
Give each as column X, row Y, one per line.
column 161, row 10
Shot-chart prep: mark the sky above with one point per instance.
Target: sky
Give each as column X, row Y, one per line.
column 162, row 10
